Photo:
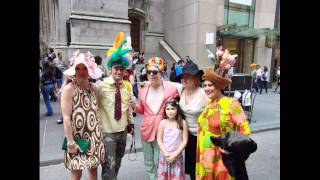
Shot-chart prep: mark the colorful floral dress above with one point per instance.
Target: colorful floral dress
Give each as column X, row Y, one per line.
column 219, row 117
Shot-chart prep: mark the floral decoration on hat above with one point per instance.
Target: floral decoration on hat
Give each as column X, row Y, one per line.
column 156, row 61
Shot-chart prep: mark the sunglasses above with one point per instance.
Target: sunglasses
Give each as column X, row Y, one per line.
column 154, row 72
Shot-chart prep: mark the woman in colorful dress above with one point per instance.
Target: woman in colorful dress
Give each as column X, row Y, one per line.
column 81, row 120
column 222, row 114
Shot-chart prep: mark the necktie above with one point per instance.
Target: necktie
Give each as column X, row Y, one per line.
column 117, row 104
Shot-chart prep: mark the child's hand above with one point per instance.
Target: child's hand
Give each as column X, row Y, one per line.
column 172, row 156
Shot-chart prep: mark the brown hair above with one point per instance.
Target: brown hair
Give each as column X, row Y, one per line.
column 180, row 116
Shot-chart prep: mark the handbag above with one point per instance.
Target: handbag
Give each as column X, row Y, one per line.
column 82, row 143
column 241, row 147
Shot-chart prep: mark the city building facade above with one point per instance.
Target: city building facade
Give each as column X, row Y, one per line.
column 172, row 29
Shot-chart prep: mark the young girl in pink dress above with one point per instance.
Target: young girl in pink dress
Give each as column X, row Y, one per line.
column 172, row 137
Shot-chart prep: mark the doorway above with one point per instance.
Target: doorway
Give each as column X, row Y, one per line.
column 244, row 48
column 135, row 33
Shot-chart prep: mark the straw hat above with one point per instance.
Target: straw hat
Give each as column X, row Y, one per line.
column 219, row 81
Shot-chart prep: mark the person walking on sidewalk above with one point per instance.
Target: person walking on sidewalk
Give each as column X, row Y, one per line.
column 81, row 120
column 259, row 78
column 178, row 70
column 172, row 138
column 153, row 96
column 116, row 103
column 47, row 85
column 61, row 65
column 254, row 77
column 222, row 114
column 278, row 80
column 264, row 79
column 192, row 102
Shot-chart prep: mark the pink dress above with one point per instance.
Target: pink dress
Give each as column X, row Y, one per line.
column 172, row 138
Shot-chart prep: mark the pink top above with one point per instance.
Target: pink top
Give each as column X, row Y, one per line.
column 150, row 123
column 172, row 137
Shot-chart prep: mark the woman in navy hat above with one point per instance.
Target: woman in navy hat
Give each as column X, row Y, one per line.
column 192, row 102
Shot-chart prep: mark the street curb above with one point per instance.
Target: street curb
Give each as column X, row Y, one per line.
column 140, row 149
column 265, row 129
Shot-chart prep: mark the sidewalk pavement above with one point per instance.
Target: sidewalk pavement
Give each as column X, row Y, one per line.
column 266, row 116
column 264, row 164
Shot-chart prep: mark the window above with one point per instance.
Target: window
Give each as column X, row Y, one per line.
column 239, row 13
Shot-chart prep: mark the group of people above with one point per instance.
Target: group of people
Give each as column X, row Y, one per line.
column 260, row 78
column 51, row 77
column 176, row 118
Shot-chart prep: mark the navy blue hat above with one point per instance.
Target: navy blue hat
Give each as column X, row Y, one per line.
column 192, row 69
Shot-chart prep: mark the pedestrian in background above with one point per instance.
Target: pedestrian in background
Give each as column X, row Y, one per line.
column 103, row 70
column 141, row 57
column 179, row 70
column 278, row 80
column 254, row 77
column 264, row 79
column 53, row 68
column 81, row 119
column 172, row 76
column 60, row 66
column 258, row 79
column 47, row 85
column 172, row 138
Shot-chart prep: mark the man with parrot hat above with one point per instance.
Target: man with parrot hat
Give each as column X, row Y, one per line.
column 115, row 104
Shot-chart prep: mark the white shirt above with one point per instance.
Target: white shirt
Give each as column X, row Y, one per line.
column 154, row 98
column 259, row 71
column 194, row 108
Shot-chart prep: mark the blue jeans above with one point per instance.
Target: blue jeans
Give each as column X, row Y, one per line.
column 46, row 91
column 59, row 83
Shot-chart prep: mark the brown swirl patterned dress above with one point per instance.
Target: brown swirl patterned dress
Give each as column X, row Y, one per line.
column 86, row 124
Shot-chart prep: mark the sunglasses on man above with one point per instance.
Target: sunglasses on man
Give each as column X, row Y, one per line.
column 154, row 72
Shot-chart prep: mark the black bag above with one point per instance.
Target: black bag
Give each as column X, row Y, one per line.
column 264, row 77
column 240, row 146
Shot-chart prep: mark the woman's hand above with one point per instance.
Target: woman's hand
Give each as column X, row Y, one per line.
column 73, row 148
column 224, row 151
